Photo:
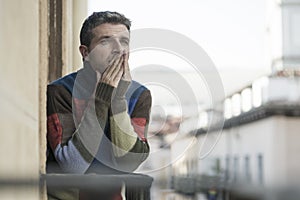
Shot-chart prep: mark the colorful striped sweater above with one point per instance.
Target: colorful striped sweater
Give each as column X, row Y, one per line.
column 95, row 128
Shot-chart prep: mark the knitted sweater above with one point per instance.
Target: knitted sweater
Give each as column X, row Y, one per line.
column 95, row 128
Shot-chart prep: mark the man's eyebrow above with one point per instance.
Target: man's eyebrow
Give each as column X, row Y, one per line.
column 125, row 37
column 111, row 36
column 104, row 37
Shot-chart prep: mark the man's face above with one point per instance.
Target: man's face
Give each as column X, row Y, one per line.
column 109, row 41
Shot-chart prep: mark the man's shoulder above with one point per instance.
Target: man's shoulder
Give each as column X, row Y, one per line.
column 135, row 89
column 66, row 82
column 135, row 85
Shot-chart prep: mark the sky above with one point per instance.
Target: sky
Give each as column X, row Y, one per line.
column 232, row 33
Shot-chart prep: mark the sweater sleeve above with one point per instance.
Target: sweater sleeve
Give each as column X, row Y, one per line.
column 75, row 148
column 128, row 133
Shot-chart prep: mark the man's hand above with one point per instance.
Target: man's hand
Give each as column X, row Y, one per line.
column 126, row 74
column 113, row 74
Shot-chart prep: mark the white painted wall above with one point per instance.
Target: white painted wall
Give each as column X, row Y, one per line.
column 19, row 98
column 275, row 138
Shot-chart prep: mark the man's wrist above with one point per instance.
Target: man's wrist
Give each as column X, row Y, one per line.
column 104, row 92
column 122, row 88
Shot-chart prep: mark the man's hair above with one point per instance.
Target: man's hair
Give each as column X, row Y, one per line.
column 98, row 18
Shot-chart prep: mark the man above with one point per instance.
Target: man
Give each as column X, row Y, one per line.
column 97, row 118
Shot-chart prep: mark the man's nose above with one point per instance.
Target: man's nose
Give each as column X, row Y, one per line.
column 117, row 48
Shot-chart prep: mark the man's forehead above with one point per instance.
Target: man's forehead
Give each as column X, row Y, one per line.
column 109, row 29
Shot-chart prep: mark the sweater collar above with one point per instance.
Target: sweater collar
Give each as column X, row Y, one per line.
column 85, row 82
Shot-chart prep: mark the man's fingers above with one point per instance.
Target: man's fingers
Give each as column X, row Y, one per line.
column 109, row 70
column 126, row 56
column 119, row 75
column 126, row 74
column 113, row 73
column 117, row 70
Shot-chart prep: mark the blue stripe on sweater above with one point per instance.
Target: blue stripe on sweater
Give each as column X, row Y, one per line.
column 132, row 95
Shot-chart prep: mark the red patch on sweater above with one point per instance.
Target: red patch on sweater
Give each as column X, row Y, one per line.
column 139, row 125
column 54, row 130
column 80, row 106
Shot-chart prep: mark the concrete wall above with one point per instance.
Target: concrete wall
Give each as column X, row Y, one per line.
column 74, row 13
column 80, row 12
column 19, row 98
column 23, row 79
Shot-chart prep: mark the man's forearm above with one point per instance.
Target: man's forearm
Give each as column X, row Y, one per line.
column 123, row 131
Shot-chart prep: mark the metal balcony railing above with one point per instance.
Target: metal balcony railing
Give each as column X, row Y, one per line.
column 137, row 185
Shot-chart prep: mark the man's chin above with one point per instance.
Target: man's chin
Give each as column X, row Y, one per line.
column 98, row 69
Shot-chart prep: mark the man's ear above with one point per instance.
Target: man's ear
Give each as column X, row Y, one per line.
column 84, row 51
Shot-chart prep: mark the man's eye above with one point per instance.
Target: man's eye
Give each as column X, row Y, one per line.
column 103, row 42
column 125, row 42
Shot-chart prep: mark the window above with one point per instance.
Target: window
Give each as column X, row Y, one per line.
column 227, row 168
column 247, row 169
column 260, row 165
column 235, row 169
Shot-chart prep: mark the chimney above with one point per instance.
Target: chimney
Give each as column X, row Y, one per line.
column 283, row 32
